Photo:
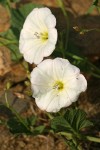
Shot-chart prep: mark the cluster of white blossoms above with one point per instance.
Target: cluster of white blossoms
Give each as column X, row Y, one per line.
column 55, row 82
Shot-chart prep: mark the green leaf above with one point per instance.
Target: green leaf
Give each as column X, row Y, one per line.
column 15, row 54
column 9, row 35
column 10, row 40
column 16, row 126
column 73, row 121
column 19, row 15
column 91, row 9
column 31, row 120
column 77, row 119
column 3, row 2
column 58, row 121
column 17, row 19
column 93, row 6
column 61, row 124
column 4, row 41
column 39, row 130
column 95, row 2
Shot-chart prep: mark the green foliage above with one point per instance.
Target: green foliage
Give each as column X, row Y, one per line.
column 27, row 8
column 18, row 125
column 31, row 120
column 69, row 126
column 95, row 4
column 73, row 121
column 10, row 38
column 3, row 2
column 38, row 130
column 19, row 15
column 7, row 2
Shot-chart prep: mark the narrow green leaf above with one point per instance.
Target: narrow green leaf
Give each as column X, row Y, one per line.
column 19, row 15
column 10, row 40
column 39, row 130
column 91, row 9
column 93, row 6
column 31, row 120
column 16, row 126
column 17, row 19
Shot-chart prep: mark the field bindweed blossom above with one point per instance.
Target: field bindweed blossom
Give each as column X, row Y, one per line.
column 56, row 84
column 38, row 36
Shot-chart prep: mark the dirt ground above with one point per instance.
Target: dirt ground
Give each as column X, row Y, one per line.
column 89, row 44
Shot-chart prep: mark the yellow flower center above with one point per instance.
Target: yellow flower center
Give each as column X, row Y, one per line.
column 44, row 36
column 58, row 85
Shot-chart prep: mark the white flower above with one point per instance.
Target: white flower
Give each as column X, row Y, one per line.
column 38, row 36
column 56, row 84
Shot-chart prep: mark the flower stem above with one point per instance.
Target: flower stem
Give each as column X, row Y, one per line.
column 8, row 6
column 50, row 116
column 15, row 112
column 7, row 103
column 89, row 138
column 61, row 4
column 71, row 142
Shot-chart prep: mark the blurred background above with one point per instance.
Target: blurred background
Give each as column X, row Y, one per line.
column 83, row 41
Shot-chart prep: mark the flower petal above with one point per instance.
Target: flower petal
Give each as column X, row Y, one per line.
column 39, row 55
column 70, row 71
column 50, row 21
column 49, row 72
column 59, row 66
column 52, row 33
column 27, row 45
column 64, row 99
column 44, row 12
column 75, row 86
column 46, row 67
column 48, row 49
column 29, row 50
column 40, row 15
column 37, row 40
column 40, row 81
column 48, row 102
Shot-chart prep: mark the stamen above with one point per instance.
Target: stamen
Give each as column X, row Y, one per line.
column 37, row 35
column 43, row 36
column 58, row 86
